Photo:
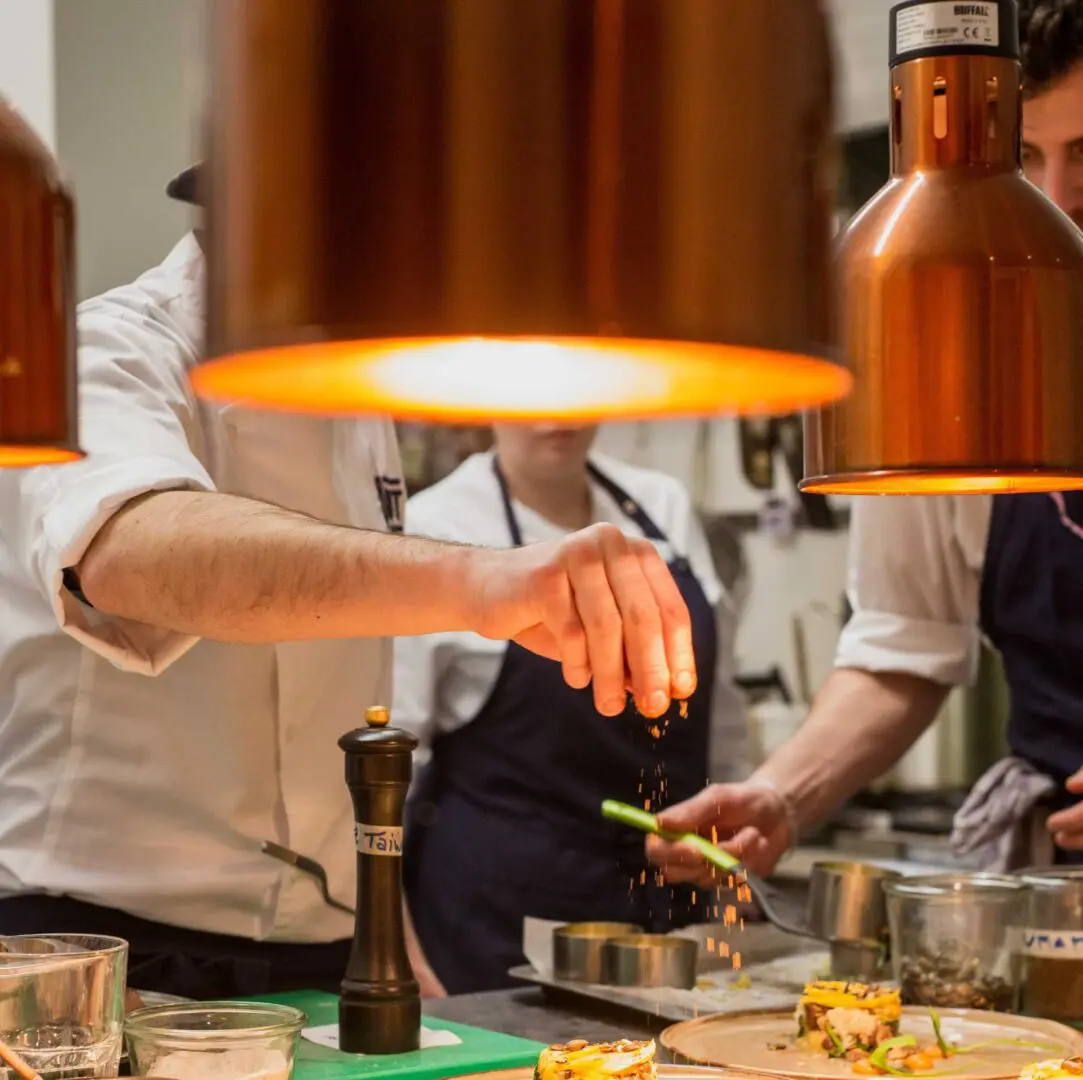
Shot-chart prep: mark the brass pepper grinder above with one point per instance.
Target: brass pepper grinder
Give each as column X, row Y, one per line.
column 380, row 1008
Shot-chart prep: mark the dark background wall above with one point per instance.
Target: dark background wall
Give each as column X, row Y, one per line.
column 865, row 168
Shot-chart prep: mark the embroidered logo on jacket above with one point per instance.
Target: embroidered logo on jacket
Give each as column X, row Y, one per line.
column 392, row 493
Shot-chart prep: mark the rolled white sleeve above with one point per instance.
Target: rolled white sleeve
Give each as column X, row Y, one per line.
column 913, row 583
column 137, row 419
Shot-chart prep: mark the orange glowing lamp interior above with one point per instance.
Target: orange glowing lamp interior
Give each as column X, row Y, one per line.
column 976, row 482
column 25, row 457
column 475, row 380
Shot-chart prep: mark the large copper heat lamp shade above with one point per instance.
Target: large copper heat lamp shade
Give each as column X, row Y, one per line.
column 38, row 424
column 961, row 287
column 468, row 210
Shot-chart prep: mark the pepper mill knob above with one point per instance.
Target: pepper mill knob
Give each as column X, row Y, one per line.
column 377, row 716
column 380, row 1008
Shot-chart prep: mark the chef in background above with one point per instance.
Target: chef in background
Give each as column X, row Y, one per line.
column 514, row 765
column 928, row 578
column 193, row 615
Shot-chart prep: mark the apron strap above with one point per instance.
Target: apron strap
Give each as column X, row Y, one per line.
column 629, row 507
column 514, row 531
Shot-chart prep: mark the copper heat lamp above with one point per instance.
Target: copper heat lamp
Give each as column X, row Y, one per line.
column 461, row 210
column 961, row 286
column 38, row 423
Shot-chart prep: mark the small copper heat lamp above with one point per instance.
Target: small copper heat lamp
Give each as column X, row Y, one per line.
column 38, row 422
column 961, row 286
column 467, row 210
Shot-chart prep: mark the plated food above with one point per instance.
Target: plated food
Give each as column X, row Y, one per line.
column 847, row 1019
column 860, row 1023
column 626, row 1059
column 840, row 1031
column 1067, row 1069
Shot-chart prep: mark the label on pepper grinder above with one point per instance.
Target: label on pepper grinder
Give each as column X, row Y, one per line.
column 378, row 839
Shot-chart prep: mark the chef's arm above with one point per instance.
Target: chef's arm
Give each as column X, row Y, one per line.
column 233, row 569
column 913, row 635
column 217, row 566
column 860, row 725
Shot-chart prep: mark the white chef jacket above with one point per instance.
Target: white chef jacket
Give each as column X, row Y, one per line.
column 443, row 680
column 914, row 583
column 153, row 795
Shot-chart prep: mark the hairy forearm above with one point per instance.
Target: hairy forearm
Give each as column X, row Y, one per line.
column 233, row 569
column 860, row 725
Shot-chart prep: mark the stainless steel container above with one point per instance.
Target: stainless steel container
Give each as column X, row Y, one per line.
column 846, row 909
column 577, row 949
column 846, row 902
column 868, row 963
column 655, row 960
column 1052, row 944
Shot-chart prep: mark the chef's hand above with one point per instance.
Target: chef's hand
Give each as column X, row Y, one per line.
column 605, row 605
column 749, row 820
column 1067, row 825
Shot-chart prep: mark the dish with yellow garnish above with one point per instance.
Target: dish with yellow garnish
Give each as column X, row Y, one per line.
column 840, row 1031
column 626, row 1059
column 1057, row 1069
column 847, row 1019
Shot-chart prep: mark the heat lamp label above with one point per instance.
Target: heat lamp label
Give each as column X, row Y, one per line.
column 1058, row 944
column 378, row 839
column 946, row 24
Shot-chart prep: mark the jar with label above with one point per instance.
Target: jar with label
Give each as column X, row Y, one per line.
column 1053, row 945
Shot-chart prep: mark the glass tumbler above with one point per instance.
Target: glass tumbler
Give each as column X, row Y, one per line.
column 955, row 940
column 62, row 1003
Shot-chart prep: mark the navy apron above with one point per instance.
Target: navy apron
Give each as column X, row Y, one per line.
column 189, row 963
column 1032, row 611
column 505, row 820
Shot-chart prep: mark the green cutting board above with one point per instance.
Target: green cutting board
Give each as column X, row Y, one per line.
column 479, row 1051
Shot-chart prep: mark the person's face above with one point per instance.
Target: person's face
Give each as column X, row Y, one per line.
column 547, row 450
column 1053, row 143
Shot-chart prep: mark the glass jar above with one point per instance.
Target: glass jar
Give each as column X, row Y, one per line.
column 955, row 939
column 1052, row 944
column 62, row 1002
column 218, row 1040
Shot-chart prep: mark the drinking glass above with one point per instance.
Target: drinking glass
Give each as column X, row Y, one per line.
column 62, row 1003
